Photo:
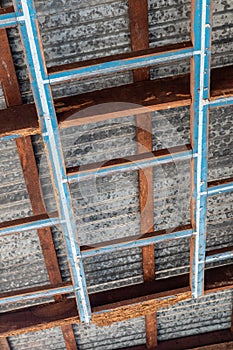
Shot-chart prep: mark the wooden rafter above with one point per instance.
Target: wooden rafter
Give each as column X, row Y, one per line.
column 156, row 95
column 27, row 158
column 139, row 29
column 218, row 340
column 114, row 305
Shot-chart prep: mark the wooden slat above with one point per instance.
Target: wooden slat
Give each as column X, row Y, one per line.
column 156, row 95
column 218, row 340
column 26, row 220
column 5, row 10
column 137, row 53
column 114, row 305
column 220, row 182
column 21, row 120
column 134, row 238
column 34, row 290
column 111, row 164
column 27, row 158
column 139, row 29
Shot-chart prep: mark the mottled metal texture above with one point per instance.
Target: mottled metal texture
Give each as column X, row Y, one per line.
column 51, row 339
column 100, row 28
column 2, row 98
column 116, row 336
column 21, row 266
column 219, row 224
column 220, row 143
column 14, row 200
column 210, row 313
column 222, row 35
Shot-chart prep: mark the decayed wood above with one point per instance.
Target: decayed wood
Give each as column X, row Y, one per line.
column 218, row 340
column 27, row 158
column 115, row 305
column 65, row 312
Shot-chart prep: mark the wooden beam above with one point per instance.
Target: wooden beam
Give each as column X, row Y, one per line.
column 114, row 163
column 4, row 345
column 27, row 158
column 139, row 29
column 218, row 340
column 5, row 10
column 114, row 305
column 156, row 95
column 35, row 290
column 128, row 239
column 65, row 312
column 25, row 221
column 221, row 87
column 137, row 53
column 219, row 182
column 19, row 120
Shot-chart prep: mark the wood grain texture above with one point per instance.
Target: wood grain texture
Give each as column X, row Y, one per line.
column 139, row 30
column 122, row 303
column 155, row 95
column 4, row 345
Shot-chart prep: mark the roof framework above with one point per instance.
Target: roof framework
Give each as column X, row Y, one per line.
column 202, row 90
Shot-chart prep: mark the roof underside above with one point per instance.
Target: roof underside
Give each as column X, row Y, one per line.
column 108, row 206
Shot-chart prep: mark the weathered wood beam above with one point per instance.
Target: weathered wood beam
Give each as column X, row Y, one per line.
column 19, row 120
column 65, row 312
column 4, row 345
column 139, row 29
column 27, row 158
column 139, row 33
column 135, row 160
column 126, row 57
column 5, row 10
column 155, row 95
column 218, row 340
column 114, row 305
column 128, row 99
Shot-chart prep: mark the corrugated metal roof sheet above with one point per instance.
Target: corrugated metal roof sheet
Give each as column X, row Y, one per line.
column 116, row 336
column 220, row 143
column 197, row 316
column 51, row 339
